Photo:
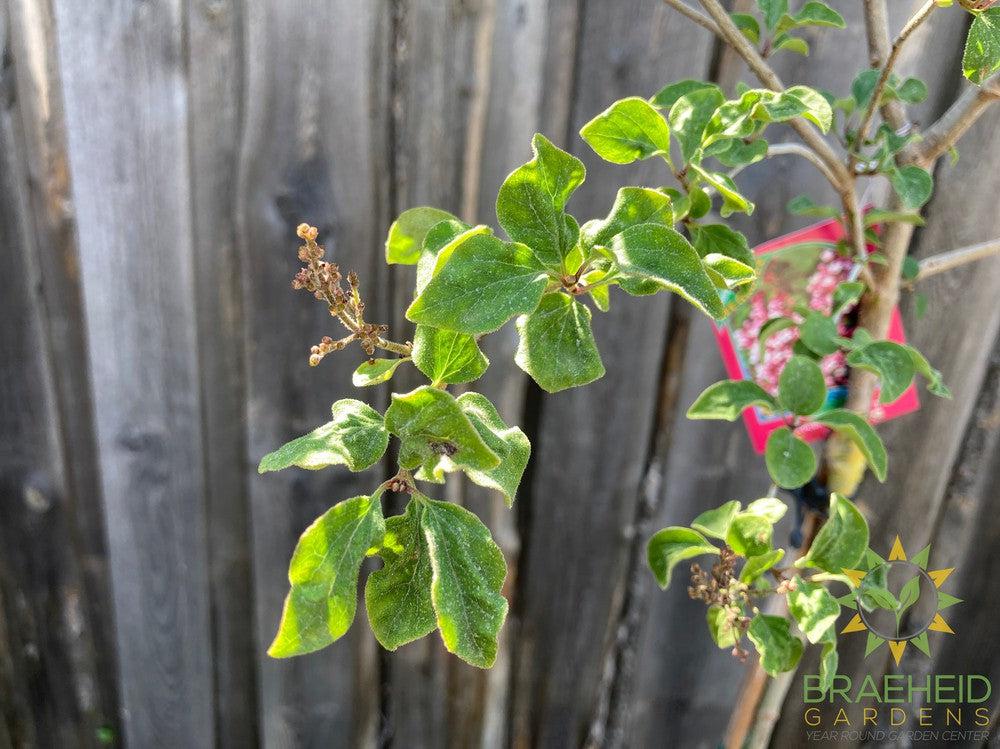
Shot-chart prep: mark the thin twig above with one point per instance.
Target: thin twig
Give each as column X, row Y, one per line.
column 695, row 15
column 953, row 124
column 797, row 149
column 897, row 46
column 945, row 261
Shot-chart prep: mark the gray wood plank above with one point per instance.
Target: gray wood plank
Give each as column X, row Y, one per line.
column 592, row 443
column 215, row 65
column 127, row 128
column 309, row 152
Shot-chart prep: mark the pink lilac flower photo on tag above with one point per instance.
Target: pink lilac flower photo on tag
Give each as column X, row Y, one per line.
column 798, row 272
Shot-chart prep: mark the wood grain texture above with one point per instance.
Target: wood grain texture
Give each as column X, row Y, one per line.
column 127, row 127
column 308, row 153
column 215, row 67
column 580, row 509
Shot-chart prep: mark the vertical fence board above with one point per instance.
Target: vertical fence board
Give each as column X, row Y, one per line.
column 592, row 442
column 214, row 60
column 308, row 154
column 128, row 156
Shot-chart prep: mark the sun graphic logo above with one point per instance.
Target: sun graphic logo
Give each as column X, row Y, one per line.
column 898, row 601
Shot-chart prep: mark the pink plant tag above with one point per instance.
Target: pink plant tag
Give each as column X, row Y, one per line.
column 801, row 269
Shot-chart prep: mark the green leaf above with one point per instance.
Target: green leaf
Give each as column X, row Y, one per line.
column 375, row 371
column 803, row 205
column 355, row 437
column 628, row 130
column 819, row 14
column 748, row 25
column 715, row 523
column 323, row 574
column 468, row 573
column 846, row 294
column 668, row 95
column 779, row 649
column 801, row 387
column 935, row 384
column 772, row 11
column 857, row 429
column 913, row 185
column 876, row 217
column 817, row 107
column 750, row 534
column 732, row 200
column 557, row 346
column 481, row 285
column 909, row 594
column 890, row 361
column 790, row 461
column 509, row 443
column 720, row 239
column 841, row 541
column 671, row 546
column 863, row 87
column 912, row 91
column 406, row 235
column 757, row 565
column 728, row 399
column 727, row 273
column 430, row 424
column 982, row 47
column 398, row 596
column 660, row 254
column 723, row 631
column 442, row 239
column 873, row 592
column 828, row 660
column 531, row 200
column 792, row 44
column 633, row 206
column 771, row 508
column 740, row 153
column 446, row 356
column 819, row 333
column 814, row 609
column 690, row 114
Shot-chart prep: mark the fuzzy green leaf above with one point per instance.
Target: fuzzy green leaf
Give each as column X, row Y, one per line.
column 668, row 95
column 441, row 240
column 801, row 387
column 771, row 508
column 748, row 25
column 557, row 346
column 719, row 239
column 790, row 461
column 355, row 437
column 633, row 206
column 733, row 201
column 660, row 254
column 819, row 333
column 690, row 114
column 828, row 660
column 779, row 649
column 816, row 13
column 757, row 565
column 982, row 47
column 913, row 184
column 531, row 202
column 446, row 356
column 375, row 371
column 715, row 523
column 479, row 286
column 628, row 130
column 430, row 424
column 406, row 235
column 912, row 91
column 935, row 384
column 324, row 576
column 772, row 10
column 728, row 399
column 792, row 44
column 750, row 534
column 671, row 546
column 468, row 573
column 841, row 541
column 509, row 443
column 727, row 273
column 857, row 429
column 398, row 596
column 814, row 609
column 891, row 362
column 722, row 630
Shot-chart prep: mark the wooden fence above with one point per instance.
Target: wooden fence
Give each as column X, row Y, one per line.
column 155, row 157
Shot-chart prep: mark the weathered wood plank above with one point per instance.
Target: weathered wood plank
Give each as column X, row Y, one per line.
column 215, row 66
column 127, row 128
column 592, row 443
column 52, row 691
column 310, row 135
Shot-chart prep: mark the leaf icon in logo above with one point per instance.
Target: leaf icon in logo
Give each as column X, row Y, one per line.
column 909, row 594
